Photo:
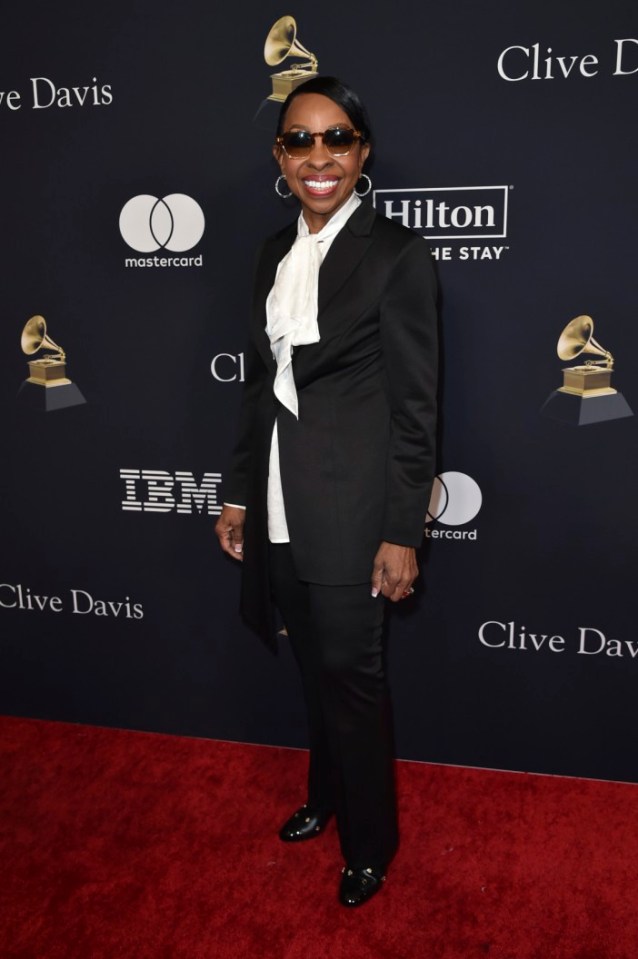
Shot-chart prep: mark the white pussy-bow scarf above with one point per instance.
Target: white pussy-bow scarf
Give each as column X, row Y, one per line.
column 292, row 304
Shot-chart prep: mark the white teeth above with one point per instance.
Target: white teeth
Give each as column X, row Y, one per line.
column 321, row 184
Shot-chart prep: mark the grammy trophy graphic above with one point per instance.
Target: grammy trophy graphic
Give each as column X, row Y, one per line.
column 282, row 43
column 586, row 395
column 47, row 387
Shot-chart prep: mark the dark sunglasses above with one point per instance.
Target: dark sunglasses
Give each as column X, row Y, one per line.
column 299, row 144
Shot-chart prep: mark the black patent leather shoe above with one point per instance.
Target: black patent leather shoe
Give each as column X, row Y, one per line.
column 359, row 885
column 304, row 824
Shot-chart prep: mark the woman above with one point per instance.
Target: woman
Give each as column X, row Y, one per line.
column 330, row 480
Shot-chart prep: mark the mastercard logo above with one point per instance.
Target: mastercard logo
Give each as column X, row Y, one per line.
column 149, row 223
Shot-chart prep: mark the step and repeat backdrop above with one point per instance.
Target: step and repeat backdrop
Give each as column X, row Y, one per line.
column 137, row 184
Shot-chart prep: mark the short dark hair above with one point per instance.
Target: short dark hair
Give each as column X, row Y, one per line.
column 344, row 96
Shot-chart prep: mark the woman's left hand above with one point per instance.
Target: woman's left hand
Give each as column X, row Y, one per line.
column 394, row 571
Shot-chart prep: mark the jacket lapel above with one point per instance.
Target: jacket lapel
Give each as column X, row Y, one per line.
column 273, row 252
column 344, row 255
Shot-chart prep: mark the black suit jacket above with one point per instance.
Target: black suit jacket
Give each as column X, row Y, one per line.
column 357, row 466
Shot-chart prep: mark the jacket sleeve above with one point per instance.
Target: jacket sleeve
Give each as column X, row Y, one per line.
column 408, row 323
column 255, row 375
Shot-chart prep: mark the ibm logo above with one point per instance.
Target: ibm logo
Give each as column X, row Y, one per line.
column 156, row 491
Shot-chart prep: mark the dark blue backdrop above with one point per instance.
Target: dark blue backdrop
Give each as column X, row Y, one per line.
column 169, row 96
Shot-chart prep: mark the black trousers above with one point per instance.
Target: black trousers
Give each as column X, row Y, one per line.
column 336, row 634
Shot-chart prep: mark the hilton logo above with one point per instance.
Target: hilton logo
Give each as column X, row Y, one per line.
column 451, row 213
column 156, row 491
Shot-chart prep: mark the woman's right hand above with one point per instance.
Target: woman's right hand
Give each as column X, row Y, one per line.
column 230, row 531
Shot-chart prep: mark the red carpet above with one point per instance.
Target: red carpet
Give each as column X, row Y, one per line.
column 122, row 845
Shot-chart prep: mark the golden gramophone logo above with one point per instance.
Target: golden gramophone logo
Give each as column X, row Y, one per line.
column 586, row 395
column 282, row 43
column 47, row 386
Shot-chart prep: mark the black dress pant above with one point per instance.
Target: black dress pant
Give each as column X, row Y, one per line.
column 336, row 634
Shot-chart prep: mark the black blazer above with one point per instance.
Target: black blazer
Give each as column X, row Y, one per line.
column 357, row 466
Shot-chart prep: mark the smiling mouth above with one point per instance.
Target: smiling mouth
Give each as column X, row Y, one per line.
column 320, row 187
